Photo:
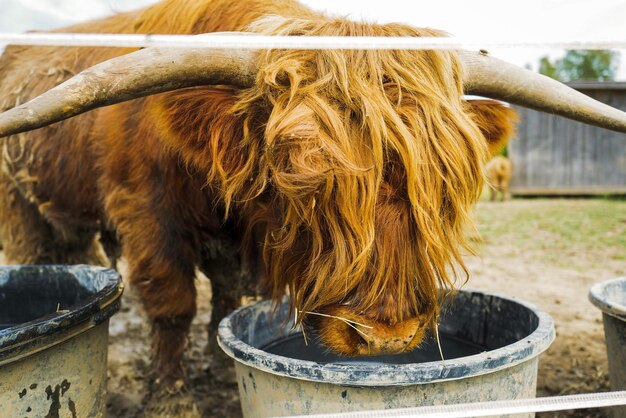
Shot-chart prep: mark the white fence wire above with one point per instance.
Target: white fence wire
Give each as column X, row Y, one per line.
column 495, row 408
column 235, row 40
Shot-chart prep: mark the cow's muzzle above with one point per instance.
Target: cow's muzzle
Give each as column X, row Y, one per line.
column 347, row 333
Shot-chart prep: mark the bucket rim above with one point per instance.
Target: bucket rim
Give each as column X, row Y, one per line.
column 33, row 336
column 374, row 375
column 599, row 298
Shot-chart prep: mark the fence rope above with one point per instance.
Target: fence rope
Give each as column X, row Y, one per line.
column 253, row 41
column 486, row 409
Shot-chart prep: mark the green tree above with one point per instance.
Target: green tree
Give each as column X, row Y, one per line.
column 547, row 68
column 581, row 65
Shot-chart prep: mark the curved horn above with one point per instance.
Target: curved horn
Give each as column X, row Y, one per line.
column 138, row 74
column 491, row 77
column 156, row 70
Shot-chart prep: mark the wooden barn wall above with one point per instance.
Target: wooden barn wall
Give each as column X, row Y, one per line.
column 553, row 155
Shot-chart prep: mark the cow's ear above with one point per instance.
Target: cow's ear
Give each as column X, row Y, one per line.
column 198, row 123
column 495, row 120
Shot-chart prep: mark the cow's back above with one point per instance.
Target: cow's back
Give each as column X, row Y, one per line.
column 57, row 167
column 53, row 167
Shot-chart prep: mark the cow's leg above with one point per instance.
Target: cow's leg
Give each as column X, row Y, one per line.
column 497, row 188
column 501, row 188
column 161, row 269
column 492, row 192
column 231, row 279
column 163, row 276
column 29, row 237
column 162, row 273
column 506, row 194
column 111, row 246
column 169, row 300
column 26, row 235
column 224, row 301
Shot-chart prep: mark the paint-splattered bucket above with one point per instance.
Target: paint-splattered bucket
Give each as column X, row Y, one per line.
column 506, row 335
column 53, row 339
column 610, row 298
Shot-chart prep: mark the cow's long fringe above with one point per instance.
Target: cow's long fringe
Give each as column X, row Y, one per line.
column 370, row 161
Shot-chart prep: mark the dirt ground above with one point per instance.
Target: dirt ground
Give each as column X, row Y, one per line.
column 547, row 252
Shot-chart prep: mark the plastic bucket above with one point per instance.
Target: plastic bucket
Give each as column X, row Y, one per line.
column 610, row 298
column 509, row 336
column 53, row 339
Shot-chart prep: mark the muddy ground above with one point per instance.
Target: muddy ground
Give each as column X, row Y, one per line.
column 548, row 252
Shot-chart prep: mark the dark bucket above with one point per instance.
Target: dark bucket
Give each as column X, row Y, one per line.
column 610, row 298
column 490, row 344
column 53, row 339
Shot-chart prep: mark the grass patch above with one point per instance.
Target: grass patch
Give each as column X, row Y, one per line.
column 554, row 228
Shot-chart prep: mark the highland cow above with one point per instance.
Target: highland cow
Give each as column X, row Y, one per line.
column 344, row 179
column 498, row 175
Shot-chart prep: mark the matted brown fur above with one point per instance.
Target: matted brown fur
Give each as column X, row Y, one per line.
column 351, row 172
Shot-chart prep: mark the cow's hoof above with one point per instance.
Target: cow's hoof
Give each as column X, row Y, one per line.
column 168, row 403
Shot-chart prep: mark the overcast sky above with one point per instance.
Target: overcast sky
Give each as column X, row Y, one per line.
column 486, row 19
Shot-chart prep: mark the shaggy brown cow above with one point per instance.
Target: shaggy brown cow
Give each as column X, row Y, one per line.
column 498, row 174
column 348, row 174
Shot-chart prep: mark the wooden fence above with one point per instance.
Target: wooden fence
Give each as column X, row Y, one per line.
column 556, row 156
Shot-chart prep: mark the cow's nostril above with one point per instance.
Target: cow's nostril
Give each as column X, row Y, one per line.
column 361, row 337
